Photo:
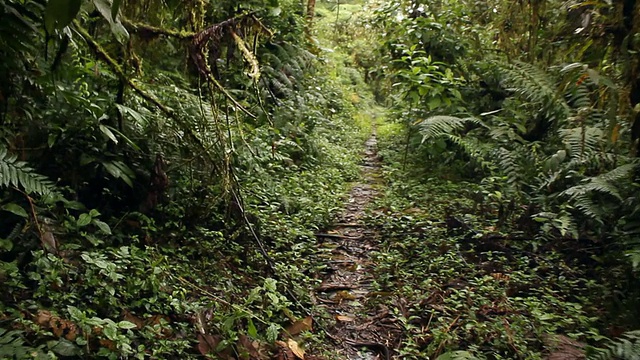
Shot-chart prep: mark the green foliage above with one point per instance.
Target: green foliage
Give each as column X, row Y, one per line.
column 166, row 170
column 200, row 140
column 13, row 345
column 627, row 347
column 18, row 174
column 437, row 126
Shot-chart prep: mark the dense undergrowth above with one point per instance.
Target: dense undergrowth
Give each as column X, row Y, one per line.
column 458, row 283
column 157, row 206
column 165, row 164
column 512, row 175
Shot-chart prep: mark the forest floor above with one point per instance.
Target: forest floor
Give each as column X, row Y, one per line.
column 415, row 268
column 360, row 331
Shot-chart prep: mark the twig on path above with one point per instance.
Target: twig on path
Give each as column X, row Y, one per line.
column 336, row 236
column 349, row 225
column 333, row 287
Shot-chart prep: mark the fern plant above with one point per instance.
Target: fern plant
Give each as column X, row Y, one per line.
column 18, row 174
column 626, row 347
column 13, row 345
column 451, row 127
column 437, row 126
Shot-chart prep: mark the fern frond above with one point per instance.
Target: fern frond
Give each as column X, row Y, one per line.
column 626, row 347
column 509, row 165
column 583, row 203
column 579, row 97
column 470, row 146
column 582, row 142
column 619, row 173
column 594, row 185
column 14, row 346
column 18, row 174
column 581, row 195
column 530, row 82
column 437, row 126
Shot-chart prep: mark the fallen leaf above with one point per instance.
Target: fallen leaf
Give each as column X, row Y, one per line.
column 615, row 134
column 299, row 326
column 284, row 352
column 500, row 277
column 295, row 349
column 344, row 295
column 43, row 318
column 59, row 327
column 247, row 349
column 49, row 242
column 344, row 318
column 207, row 343
column 106, row 343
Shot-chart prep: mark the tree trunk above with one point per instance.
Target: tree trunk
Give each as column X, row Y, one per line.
column 311, row 10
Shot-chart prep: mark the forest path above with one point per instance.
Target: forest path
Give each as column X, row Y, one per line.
column 362, row 330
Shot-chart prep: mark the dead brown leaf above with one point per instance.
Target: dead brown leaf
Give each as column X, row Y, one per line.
column 208, row 343
column 344, row 318
column 284, row 352
column 295, row 349
column 106, row 343
column 59, row 327
column 42, row 318
column 344, row 295
column 248, row 349
column 299, row 326
column 500, row 276
column 564, row 348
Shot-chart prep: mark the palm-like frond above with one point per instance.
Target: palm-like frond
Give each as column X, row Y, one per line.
column 18, row 174
column 437, row 126
column 581, row 195
column 626, row 347
column 581, row 142
column 530, row 82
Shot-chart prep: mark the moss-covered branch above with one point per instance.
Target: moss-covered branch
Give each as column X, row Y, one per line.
column 146, row 31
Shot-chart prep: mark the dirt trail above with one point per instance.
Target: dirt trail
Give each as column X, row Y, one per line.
column 362, row 330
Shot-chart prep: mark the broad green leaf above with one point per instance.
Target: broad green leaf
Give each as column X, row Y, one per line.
column 276, row 11
column 594, row 75
column 126, row 325
column 84, row 220
column 75, row 313
column 107, row 131
column 60, row 13
column 15, row 209
column 110, row 332
column 434, row 102
column 104, row 227
column 572, row 66
column 120, row 134
column 251, row 329
column 63, row 347
column 134, row 114
column 456, row 355
column 5, row 245
column 105, row 7
column 120, row 170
